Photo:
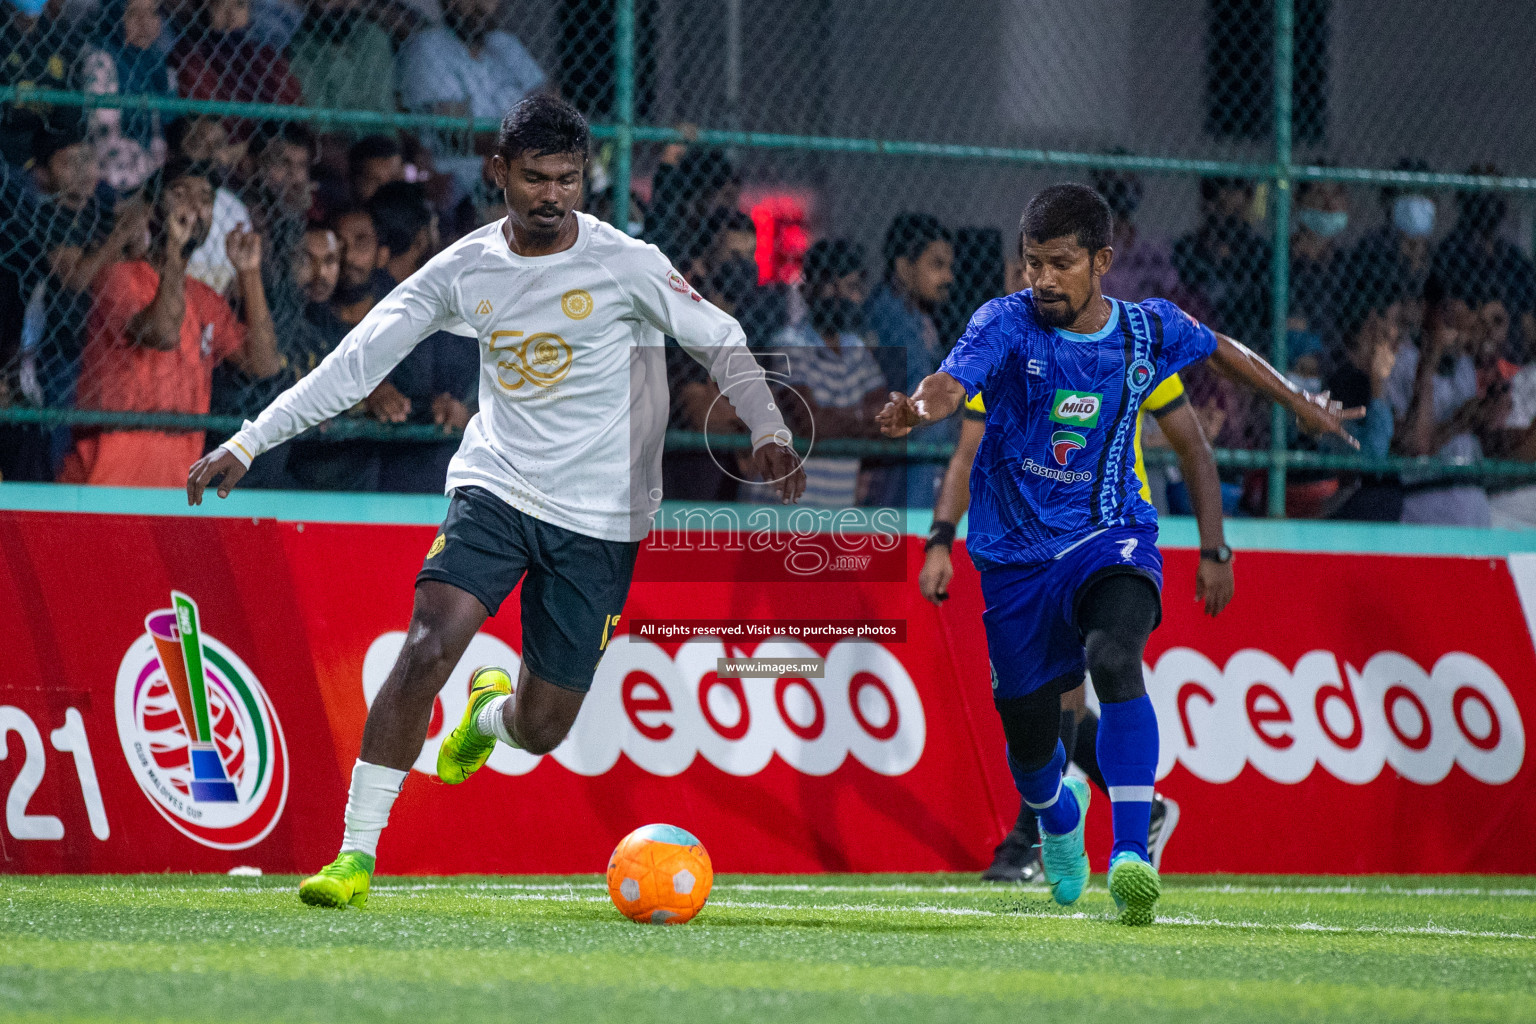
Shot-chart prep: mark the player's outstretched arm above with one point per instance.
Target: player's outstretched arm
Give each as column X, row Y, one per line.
column 1214, row 582
column 349, row 374
column 954, row 497
column 1316, row 414
column 938, row 395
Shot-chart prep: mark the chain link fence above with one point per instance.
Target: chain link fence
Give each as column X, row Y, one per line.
column 1342, row 186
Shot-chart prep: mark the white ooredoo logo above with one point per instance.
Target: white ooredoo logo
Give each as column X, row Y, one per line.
column 1353, row 722
column 663, row 711
column 200, row 734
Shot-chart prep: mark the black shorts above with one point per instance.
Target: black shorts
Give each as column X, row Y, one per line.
column 574, row 586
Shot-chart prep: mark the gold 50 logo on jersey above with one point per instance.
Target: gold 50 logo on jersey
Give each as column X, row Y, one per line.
column 541, row 359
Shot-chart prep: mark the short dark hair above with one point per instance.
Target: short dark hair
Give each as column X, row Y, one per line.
column 400, row 213
column 909, row 235
column 543, row 125
column 177, row 130
column 173, row 170
column 1373, row 286
column 371, row 147
column 1068, row 209
column 288, row 133
column 725, row 219
column 703, row 171
column 830, row 259
column 50, row 138
column 1210, row 188
column 334, row 217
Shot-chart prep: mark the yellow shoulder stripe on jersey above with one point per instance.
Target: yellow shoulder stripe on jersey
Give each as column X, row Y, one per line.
column 1168, row 391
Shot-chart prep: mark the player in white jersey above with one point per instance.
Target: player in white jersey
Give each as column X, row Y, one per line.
column 559, row 473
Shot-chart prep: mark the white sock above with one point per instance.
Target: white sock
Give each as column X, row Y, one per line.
column 491, row 722
column 373, row 792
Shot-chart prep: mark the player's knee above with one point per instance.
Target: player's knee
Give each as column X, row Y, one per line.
column 427, row 657
column 1115, row 666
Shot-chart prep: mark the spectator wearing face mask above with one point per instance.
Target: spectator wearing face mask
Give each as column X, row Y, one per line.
column 839, row 384
column 1322, row 215
column 1401, row 245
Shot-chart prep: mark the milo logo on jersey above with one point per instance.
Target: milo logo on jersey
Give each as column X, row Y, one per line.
column 1076, row 408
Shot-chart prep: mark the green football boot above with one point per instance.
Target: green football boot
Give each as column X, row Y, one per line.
column 464, row 750
column 341, row 883
column 1064, row 857
column 1135, row 886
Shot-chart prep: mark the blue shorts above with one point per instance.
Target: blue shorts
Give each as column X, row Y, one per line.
column 1033, row 639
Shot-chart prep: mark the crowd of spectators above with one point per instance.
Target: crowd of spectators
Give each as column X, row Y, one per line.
column 200, row 264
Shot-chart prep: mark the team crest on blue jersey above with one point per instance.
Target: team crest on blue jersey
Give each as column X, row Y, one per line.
column 1139, row 375
column 1064, row 443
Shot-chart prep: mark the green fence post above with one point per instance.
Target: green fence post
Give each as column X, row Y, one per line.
column 1280, row 258
column 624, row 108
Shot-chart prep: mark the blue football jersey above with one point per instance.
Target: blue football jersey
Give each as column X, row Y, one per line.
column 1057, row 462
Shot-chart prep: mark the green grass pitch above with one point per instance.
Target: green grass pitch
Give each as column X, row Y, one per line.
column 886, row 949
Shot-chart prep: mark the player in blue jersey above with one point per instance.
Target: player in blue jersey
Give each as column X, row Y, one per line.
column 1065, row 543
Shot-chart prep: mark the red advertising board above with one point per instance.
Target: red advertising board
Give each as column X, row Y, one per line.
column 189, row 694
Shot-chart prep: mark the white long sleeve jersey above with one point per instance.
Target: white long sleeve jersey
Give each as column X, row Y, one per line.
column 573, row 381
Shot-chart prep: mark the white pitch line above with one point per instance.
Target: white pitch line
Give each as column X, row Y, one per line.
column 553, row 893
column 987, row 889
column 1183, row 919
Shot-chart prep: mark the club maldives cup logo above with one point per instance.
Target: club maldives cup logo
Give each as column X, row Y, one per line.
column 200, row 734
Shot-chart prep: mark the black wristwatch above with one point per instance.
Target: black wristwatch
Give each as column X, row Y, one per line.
column 942, row 534
column 1221, row 553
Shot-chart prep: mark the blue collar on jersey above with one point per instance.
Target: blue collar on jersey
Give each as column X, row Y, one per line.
column 1103, row 332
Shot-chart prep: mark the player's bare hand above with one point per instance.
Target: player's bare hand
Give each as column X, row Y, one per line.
column 244, row 249
column 938, row 570
column 1214, row 584
column 781, row 465
column 449, row 413
column 899, row 416
column 387, row 404
column 1320, row 414
column 221, row 467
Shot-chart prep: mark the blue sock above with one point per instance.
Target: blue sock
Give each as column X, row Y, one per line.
column 1128, row 759
column 1053, row 803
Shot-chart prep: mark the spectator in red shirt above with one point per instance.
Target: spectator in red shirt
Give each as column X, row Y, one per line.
column 219, row 58
column 155, row 335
